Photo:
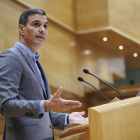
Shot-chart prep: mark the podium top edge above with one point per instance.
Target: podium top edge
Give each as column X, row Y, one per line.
column 116, row 106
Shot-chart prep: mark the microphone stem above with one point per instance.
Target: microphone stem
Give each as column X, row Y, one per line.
column 107, row 84
column 98, row 90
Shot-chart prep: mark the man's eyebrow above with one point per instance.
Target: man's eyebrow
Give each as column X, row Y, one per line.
column 39, row 21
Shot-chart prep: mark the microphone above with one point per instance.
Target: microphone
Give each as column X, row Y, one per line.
column 87, row 72
column 82, row 80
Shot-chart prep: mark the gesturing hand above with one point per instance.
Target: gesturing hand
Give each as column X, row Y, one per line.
column 77, row 118
column 57, row 104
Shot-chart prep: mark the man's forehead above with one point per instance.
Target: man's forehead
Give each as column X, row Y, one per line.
column 37, row 17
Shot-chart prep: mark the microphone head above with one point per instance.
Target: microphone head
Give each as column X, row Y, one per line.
column 80, row 79
column 85, row 71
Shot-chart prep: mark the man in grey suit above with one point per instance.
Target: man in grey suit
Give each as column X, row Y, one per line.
column 25, row 99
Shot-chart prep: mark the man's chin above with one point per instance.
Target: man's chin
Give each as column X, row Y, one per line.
column 40, row 43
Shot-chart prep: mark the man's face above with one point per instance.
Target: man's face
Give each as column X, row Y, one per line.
column 35, row 31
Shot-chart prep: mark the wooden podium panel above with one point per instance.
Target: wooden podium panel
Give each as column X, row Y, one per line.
column 1, row 125
column 115, row 121
column 0, row 137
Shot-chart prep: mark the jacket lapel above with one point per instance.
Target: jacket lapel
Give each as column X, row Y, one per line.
column 45, row 80
column 32, row 66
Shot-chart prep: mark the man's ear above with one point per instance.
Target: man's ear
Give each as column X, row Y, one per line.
column 21, row 29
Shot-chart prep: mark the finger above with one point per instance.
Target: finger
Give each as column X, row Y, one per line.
column 68, row 107
column 58, row 92
column 71, row 102
column 79, row 114
column 82, row 113
column 83, row 121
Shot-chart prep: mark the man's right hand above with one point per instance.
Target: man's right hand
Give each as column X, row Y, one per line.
column 57, row 104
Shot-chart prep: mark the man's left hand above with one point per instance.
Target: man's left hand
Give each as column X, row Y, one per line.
column 77, row 118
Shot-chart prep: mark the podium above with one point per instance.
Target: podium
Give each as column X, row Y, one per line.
column 118, row 120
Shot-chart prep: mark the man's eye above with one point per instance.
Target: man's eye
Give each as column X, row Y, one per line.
column 36, row 24
column 45, row 26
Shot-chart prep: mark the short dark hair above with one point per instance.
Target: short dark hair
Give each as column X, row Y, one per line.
column 24, row 16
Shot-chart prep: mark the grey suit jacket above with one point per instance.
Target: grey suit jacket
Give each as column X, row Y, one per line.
column 21, row 91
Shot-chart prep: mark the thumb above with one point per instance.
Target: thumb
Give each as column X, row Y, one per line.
column 57, row 93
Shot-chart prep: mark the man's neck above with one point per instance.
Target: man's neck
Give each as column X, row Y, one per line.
column 32, row 47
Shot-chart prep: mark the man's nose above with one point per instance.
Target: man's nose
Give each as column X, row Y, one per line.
column 42, row 29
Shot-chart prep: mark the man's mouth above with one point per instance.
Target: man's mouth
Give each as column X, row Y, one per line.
column 41, row 37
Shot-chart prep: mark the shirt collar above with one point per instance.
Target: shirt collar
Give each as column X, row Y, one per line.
column 34, row 56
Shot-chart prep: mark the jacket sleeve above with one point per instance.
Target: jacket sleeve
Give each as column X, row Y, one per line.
column 10, row 76
column 58, row 120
